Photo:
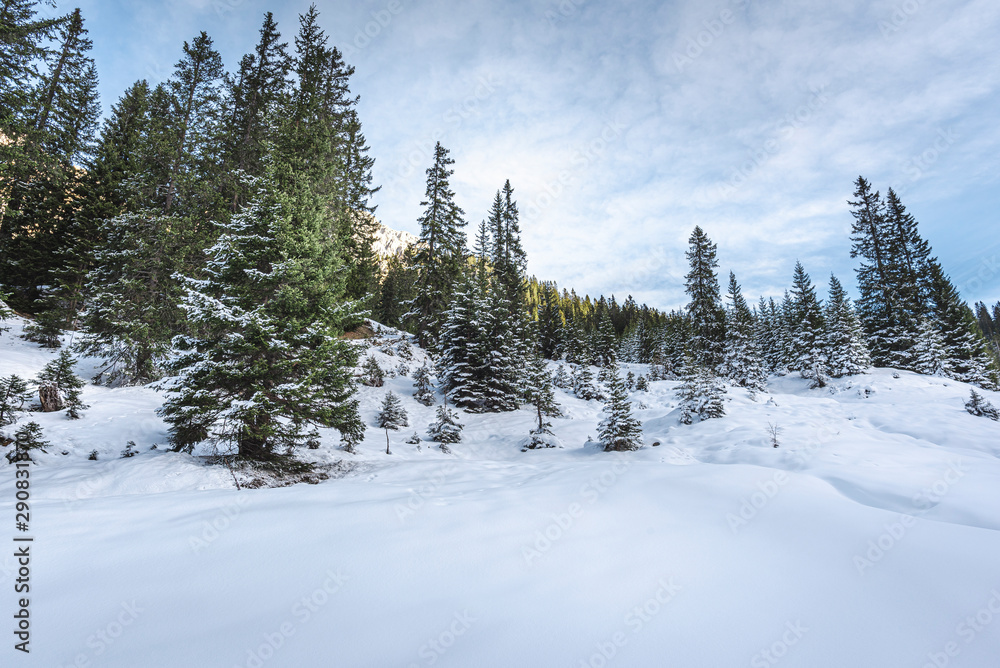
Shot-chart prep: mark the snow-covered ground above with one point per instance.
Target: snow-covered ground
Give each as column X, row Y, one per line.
column 870, row 537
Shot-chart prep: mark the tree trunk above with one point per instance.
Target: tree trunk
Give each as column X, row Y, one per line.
column 48, row 395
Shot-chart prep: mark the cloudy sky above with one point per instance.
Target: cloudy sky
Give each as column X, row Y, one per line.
column 622, row 125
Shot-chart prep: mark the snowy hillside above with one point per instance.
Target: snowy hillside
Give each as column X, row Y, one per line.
column 869, row 537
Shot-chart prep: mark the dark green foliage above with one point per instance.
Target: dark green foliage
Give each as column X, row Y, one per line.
column 391, row 414
column 446, row 427
column 619, row 430
column 701, row 394
column 583, row 383
column 846, row 352
column 371, row 373
column 742, row 363
column 13, row 394
column 705, row 308
column 808, row 353
column 439, row 256
column 58, row 380
column 130, row 450
column 423, row 391
column 979, row 406
column 641, row 384
column 27, row 438
column 264, row 364
column 45, row 330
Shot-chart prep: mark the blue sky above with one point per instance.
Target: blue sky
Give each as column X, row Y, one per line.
column 623, row 125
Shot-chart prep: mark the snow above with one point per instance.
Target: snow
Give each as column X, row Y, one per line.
column 868, row 538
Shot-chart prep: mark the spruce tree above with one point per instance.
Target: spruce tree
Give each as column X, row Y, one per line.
column 391, row 415
column 583, row 383
column 619, row 430
column 742, row 363
column 27, row 438
column 463, row 354
column 701, row 394
column 440, row 252
column 929, row 354
column 846, row 351
column 977, row 405
column 423, row 392
column 372, row 374
column 967, row 353
column 264, row 365
column 705, row 308
column 541, row 395
column 808, row 349
column 446, row 427
column 13, row 394
column 59, row 387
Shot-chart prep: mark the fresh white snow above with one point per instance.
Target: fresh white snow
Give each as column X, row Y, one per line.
column 870, row 537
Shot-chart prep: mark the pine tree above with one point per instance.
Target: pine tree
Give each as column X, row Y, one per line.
column 372, row 374
column 391, row 415
column 440, row 251
column 705, row 308
column 59, row 387
column 264, row 364
column 742, row 363
column 979, row 406
column 541, row 395
column 562, row 379
column 619, row 430
column 641, row 384
column 26, row 439
column 423, row 392
column 844, row 343
column 446, row 427
column 701, row 394
column 48, row 136
column 808, row 352
column 968, row 357
column 13, row 394
column 463, row 356
column 929, row 354
column 583, row 383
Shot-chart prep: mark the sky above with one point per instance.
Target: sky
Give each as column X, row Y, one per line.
column 622, row 125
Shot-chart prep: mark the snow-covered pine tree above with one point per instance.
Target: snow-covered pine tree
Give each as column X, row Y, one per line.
column 264, row 364
column 846, row 351
column 372, row 374
column 979, row 406
column 808, row 353
column 438, row 260
column 423, row 391
column 446, row 428
column 562, row 379
column 462, row 342
column 27, row 438
column 742, row 363
column 59, row 387
column 619, row 430
column 765, row 335
column 708, row 320
column 968, row 356
column 641, row 384
column 391, row 415
column 502, row 345
column 13, row 394
column 701, row 394
column 541, row 395
column 583, row 383
column 928, row 352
